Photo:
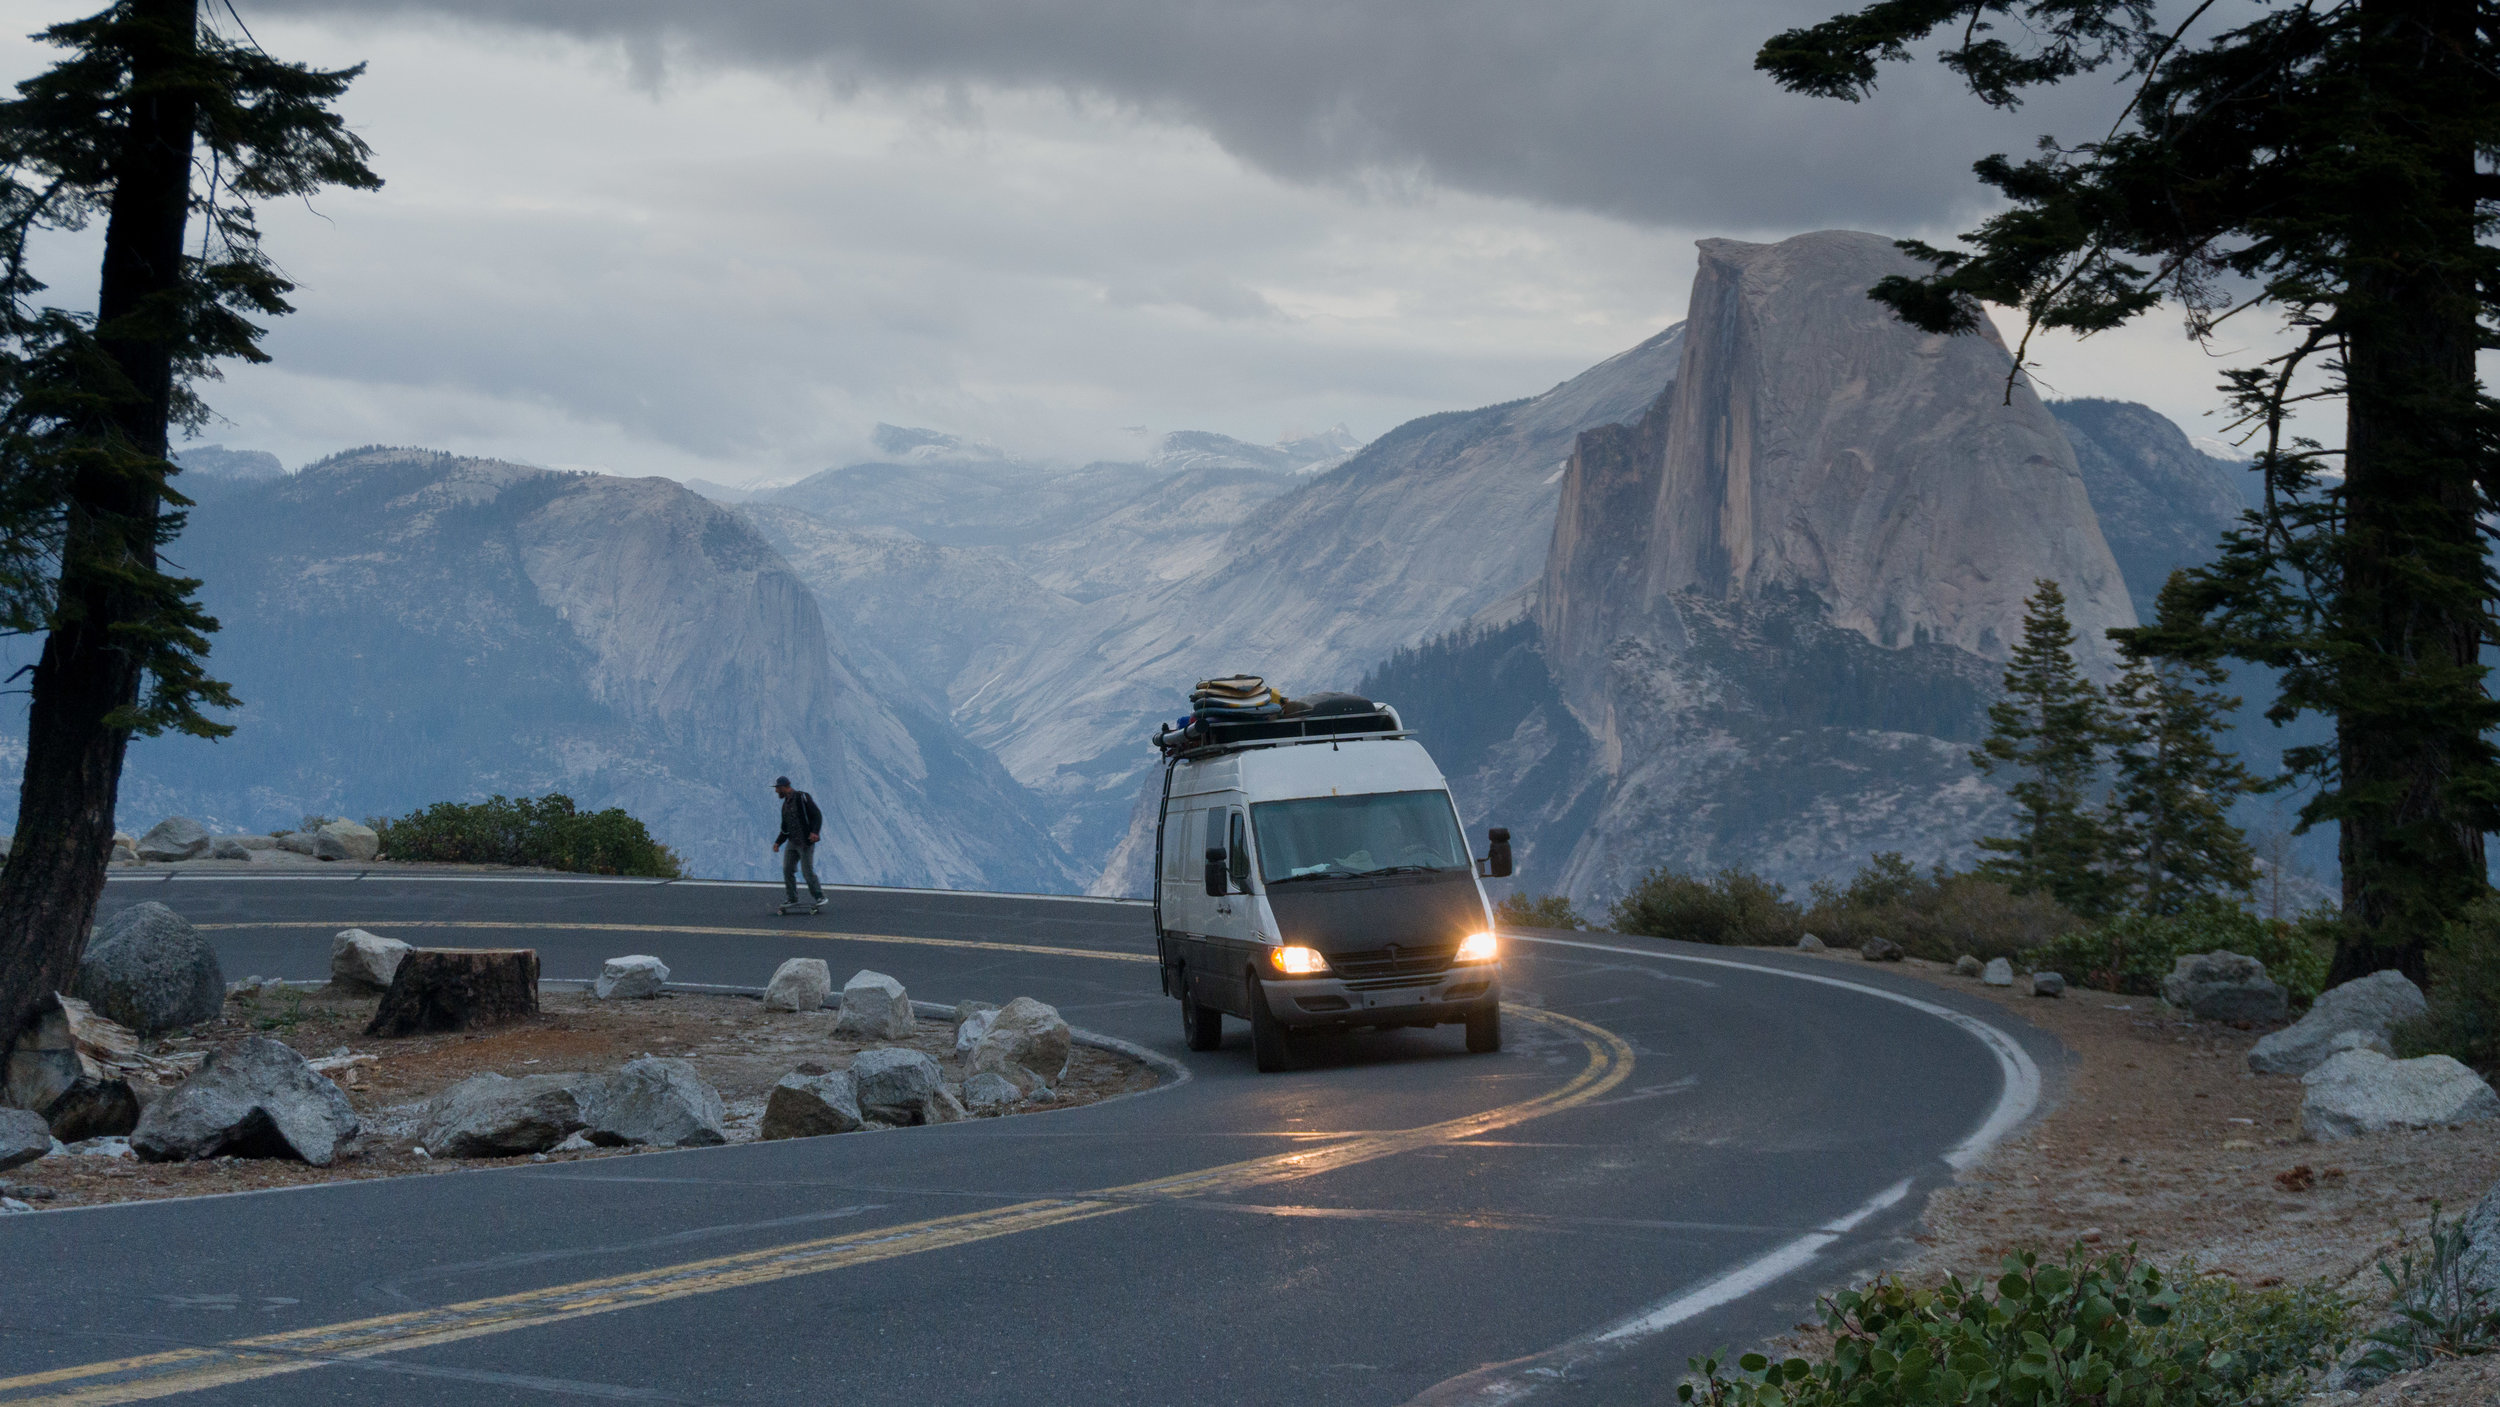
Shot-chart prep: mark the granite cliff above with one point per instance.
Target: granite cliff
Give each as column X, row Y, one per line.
column 406, row 627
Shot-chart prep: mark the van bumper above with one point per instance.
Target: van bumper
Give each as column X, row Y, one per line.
column 1308, row 1002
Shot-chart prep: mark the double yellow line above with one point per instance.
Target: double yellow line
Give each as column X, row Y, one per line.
column 167, row 1374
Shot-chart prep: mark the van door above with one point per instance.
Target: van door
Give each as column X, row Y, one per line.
column 1189, row 916
column 1233, row 920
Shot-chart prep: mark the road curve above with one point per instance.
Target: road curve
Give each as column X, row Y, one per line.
column 1677, row 1146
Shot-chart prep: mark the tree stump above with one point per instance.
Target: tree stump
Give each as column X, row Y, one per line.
column 453, row 989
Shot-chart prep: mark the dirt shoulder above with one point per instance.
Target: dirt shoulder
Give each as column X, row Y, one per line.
column 2160, row 1137
column 732, row 1041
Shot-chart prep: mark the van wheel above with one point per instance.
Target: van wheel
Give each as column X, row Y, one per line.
column 1202, row 1027
column 1484, row 1030
column 1271, row 1045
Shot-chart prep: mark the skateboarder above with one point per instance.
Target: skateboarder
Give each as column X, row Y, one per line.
column 802, row 824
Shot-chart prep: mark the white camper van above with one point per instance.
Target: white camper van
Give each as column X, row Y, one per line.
column 1311, row 874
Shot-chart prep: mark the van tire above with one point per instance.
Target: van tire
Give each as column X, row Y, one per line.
column 1271, row 1045
column 1484, row 1030
column 1202, row 1027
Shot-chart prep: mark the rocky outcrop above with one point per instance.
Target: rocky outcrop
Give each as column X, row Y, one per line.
column 255, row 1100
column 629, row 978
column 2361, row 1092
column 2224, row 986
column 2368, row 1007
column 364, row 962
column 147, row 968
column 1024, row 1033
column 801, row 984
column 2162, row 503
column 174, row 838
column 874, row 1007
column 495, row 1116
column 901, row 1086
column 24, row 1137
column 811, row 1106
column 659, row 1101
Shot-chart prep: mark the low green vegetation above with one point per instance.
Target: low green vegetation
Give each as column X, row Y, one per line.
column 1537, row 911
column 2435, row 1313
column 1732, row 906
column 2098, row 1328
column 2132, row 952
column 547, row 832
column 1934, row 915
column 2464, row 1019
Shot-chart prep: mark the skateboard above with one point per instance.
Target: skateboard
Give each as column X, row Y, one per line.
column 804, row 906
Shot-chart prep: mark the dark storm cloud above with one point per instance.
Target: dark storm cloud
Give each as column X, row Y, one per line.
column 1633, row 108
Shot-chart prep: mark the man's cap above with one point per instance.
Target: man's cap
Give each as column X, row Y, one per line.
column 781, row 781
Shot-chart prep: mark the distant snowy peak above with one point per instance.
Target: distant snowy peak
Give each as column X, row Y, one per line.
column 910, row 445
column 1184, row 450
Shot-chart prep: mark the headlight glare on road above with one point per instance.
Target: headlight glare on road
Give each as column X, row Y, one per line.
column 1479, row 947
column 1297, row 962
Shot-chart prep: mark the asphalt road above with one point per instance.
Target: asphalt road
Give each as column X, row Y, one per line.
column 1677, row 1147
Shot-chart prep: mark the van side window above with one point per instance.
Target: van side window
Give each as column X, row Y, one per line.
column 1175, row 842
column 1238, row 836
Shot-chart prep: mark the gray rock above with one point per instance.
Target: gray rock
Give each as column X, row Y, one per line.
column 106, row 1147
column 2356, row 1092
column 150, row 970
column 2372, row 1006
column 659, row 1101
column 255, row 843
column 1810, row 943
column 355, row 842
column 1998, row 973
column 326, row 846
column 255, row 1100
column 2482, row 1233
column 801, row 984
column 640, row 975
column 1880, row 950
column 174, row 838
column 296, row 843
column 1966, row 966
column 972, row 1025
column 2047, row 984
column 96, row 1108
column 989, row 1092
column 24, row 1137
column 492, row 1116
column 364, row 962
column 1024, row 1033
column 574, row 1143
column 874, row 1007
column 810, row 1106
column 896, row 1085
column 226, row 847
column 2224, row 986
column 125, row 850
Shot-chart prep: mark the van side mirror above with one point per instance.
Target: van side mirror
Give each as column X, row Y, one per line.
column 1496, row 863
column 1218, row 862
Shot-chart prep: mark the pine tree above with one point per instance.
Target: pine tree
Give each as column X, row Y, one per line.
column 2328, row 162
column 2170, row 822
column 150, row 119
column 2047, row 733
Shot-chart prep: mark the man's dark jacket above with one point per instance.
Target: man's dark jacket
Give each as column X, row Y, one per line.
column 800, row 818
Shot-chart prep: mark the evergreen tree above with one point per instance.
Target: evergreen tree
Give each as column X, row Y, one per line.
column 2330, row 162
column 2047, row 734
column 151, row 118
column 2170, row 823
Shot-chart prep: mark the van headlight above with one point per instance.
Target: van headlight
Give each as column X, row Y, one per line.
column 1479, row 947
column 1297, row 962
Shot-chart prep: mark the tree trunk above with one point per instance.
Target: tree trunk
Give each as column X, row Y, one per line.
column 55, row 870
column 453, row 989
column 2410, row 617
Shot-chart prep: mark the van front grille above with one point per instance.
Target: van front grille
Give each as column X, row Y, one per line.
column 1425, row 960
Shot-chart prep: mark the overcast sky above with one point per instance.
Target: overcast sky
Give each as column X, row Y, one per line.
column 726, row 241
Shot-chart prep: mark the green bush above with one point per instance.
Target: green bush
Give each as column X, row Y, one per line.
column 2438, row 1314
column 548, row 832
column 2104, row 1330
column 2133, row 952
column 1537, row 911
column 2464, row 1019
column 1935, row 915
column 1732, row 906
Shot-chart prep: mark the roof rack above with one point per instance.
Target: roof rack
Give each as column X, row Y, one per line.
column 1213, row 737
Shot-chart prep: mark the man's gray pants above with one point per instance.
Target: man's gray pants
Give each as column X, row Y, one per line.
column 797, row 855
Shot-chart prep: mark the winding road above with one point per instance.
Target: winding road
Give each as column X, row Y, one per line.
column 1677, row 1147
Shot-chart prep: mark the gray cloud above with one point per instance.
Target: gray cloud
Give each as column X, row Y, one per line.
column 1629, row 108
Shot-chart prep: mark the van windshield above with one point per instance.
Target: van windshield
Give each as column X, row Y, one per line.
column 1338, row 837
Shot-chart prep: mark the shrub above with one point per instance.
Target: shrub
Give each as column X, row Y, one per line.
column 1935, row 915
column 548, row 832
column 2464, row 1019
column 2105, row 1330
column 2133, row 952
column 1537, row 911
column 2436, row 1311
column 1732, row 906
